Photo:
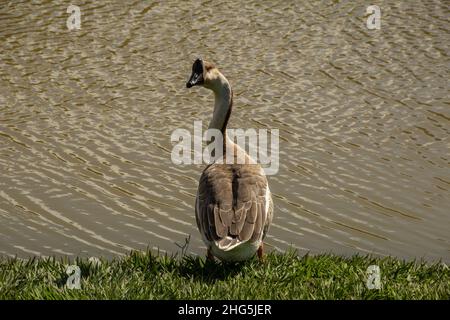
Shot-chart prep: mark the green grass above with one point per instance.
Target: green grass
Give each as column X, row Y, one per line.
column 143, row 275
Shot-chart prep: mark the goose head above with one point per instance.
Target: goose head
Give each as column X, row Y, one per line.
column 204, row 74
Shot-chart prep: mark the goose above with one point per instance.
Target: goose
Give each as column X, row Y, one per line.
column 233, row 205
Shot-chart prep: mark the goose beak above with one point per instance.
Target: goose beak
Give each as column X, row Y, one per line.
column 194, row 80
column 197, row 74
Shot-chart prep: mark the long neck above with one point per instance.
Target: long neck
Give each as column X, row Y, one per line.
column 223, row 105
column 223, row 96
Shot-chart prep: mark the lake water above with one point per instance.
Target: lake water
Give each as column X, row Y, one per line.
column 86, row 118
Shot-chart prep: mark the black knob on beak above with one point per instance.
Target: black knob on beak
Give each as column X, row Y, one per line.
column 197, row 74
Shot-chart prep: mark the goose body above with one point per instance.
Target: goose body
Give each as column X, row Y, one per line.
column 233, row 206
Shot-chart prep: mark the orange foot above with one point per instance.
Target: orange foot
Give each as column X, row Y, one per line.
column 209, row 255
column 261, row 252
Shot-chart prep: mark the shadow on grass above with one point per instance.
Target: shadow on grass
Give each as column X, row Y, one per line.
column 204, row 270
column 186, row 266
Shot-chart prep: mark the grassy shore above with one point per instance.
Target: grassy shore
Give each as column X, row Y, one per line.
column 143, row 275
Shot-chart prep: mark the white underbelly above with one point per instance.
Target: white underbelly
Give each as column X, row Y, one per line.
column 243, row 251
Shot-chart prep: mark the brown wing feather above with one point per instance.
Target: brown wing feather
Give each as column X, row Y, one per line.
column 231, row 202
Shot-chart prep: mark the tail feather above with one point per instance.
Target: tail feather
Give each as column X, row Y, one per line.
column 228, row 243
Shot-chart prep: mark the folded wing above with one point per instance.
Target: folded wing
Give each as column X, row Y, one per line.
column 232, row 205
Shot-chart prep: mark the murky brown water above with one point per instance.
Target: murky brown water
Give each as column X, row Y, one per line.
column 86, row 118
